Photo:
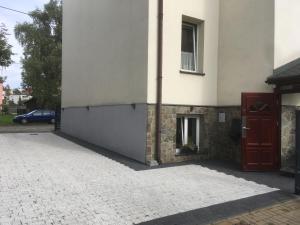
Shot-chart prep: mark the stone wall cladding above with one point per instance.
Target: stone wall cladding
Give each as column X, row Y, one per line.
column 216, row 138
column 288, row 137
column 208, row 116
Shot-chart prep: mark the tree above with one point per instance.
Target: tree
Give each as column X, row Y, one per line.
column 5, row 50
column 20, row 102
column 5, row 109
column 2, row 79
column 42, row 43
column 7, row 90
column 16, row 91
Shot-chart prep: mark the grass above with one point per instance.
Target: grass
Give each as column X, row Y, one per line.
column 6, row 120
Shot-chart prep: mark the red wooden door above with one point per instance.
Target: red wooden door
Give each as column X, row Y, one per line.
column 260, row 150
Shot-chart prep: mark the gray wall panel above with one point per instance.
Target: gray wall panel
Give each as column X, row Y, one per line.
column 121, row 128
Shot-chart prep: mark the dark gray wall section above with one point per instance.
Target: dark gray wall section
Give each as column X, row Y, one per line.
column 120, row 128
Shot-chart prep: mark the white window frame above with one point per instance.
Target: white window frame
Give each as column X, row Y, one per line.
column 195, row 43
column 185, row 132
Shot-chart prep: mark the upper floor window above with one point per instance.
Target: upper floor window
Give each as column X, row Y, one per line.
column 189, row 47
column 192, row 45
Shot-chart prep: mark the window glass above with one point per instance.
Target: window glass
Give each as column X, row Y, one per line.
column 187, row 135
column 188, row 47
column 180, row 132
column 187, row 44
column 192, row 132
column 46, row 113
column 37, row 113
column 259, row 106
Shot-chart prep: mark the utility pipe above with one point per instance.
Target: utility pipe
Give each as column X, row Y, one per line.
column 159, row 79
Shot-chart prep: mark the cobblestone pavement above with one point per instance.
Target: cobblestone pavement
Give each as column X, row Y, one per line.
column 287, row 213
column 28, row 128
column 45, row 179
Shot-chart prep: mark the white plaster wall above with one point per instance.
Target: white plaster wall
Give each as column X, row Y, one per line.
column 152, row 51
column 105, row 46
column 183, row 89
column 291, row 99
column 287, row 32
column 246, row 48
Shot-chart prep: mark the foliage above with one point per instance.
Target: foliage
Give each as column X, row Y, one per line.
column 16, row 91
column 20, row 103
column 5, row 50
column 7, row 90
column 11, row 103
column 42, row 43
column 5, row 109
column 2, row 79
column 6, row 119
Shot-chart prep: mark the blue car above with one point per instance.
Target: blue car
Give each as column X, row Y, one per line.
column 36, row 116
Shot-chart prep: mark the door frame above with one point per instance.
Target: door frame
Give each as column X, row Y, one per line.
column 277, row 98
column 297, row 176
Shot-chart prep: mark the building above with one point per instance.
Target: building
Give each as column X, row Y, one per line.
column 167, row 80
column 17, row 98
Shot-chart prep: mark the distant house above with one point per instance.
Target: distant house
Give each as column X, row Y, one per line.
column 16, row 98
column 178, row 80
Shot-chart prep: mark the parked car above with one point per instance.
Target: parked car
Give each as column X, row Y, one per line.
column 36, row 116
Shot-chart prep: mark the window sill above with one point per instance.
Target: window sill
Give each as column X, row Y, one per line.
column 182, row 152
column 191, row 73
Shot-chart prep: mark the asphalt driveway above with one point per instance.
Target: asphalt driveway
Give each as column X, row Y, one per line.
column 45, row 179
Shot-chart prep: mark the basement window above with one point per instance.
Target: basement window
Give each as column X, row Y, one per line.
column 187, row 135
column 192, row 46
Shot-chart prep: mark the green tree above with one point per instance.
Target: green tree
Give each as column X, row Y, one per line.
column 7, row 90
column 42, row 43
column 20, row 102
column 5, row 109
column 16, row 91
column 5, row 50
column 2, row 79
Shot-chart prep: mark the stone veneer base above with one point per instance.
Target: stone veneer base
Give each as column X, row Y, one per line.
column 214, row 136
column 288, row 137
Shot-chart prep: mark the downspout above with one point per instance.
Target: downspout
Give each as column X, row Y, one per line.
column 159, row 79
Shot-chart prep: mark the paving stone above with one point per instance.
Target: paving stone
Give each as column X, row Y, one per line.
column 45, row 179
column 274, row 215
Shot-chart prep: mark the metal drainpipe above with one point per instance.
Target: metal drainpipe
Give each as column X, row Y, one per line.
column 159, row 79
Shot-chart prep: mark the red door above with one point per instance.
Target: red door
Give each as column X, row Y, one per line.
column 260, row 150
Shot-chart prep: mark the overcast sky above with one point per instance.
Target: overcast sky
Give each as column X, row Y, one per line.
column 10, row 19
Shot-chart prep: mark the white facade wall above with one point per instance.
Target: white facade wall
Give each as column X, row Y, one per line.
column 105, row 46
column 287, row 39
column 246, row 48
column 184, row 89
column 291, row 99
column 287, row 32
column 110, row 50
column 15, row 98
